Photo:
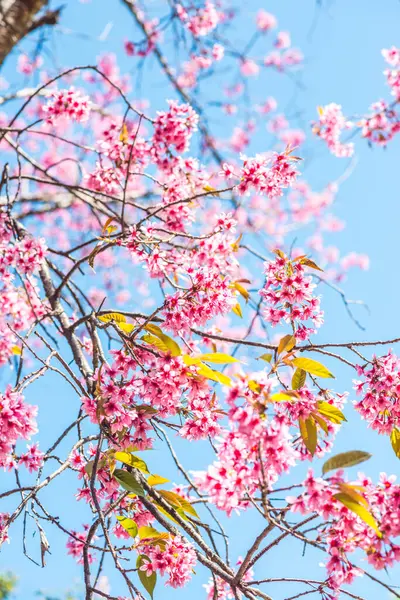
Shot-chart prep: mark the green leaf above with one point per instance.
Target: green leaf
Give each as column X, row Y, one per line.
column 209, row 373
column 395, row 441
column 165, row 343
column 218, row 357
column 312, row 366
column 359, row 510
column 128, row 524
column 112, row 316
column 310, row 263
column 149, row 532
column 178, row 501
column 282, row 397
column 345, row 459
column 148, row 582
column 156, row 480
column 298, row 379
column 309, row 434
column 330, row 412
column 133, row 461
column 267, row 357
column 286, row 343
column 128, row 482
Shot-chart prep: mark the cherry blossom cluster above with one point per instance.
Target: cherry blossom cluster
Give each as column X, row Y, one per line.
column 218, row 589
column 267, row 175
column 76, row 544
column 198, row 63
column 69, row 103
column 202, row 22
column 4, row 517
column 344, row 531
column 252, row 445
column 176, row 560
column 174, row 127
column 330, row 127
column 17, row 421
column 288, row 293
column 380, row 388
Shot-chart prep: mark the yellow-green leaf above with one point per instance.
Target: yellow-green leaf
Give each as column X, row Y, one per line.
column 16, row 350
column 150, row 532
column 254, row 386
column 126, row 327
column 128, row 482
column 281, row 397
column 267, row 357
column 345, row 459
column 359, row 510
column 311, row 366
column 286, row 343
column 237, row 309
column 332, row 413
column 242, row 291
column 147, row 581
column 218, row 358
column 132, row 461
column 354, row 492
column 298, row 379
column 205, row 371
column 309, row 434
column 179, row 502
column 156, row 480
column 310, row 263
column 321, row 422
column 395, row 441
column 166, row 342
column 128, row 524
column 112, row 316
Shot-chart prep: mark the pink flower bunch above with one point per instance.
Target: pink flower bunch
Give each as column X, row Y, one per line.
column 4, row 528
column 330, row 126
column 202, row 22
column 17, row 421
column 345, row 531
column 210, row 295
column 284, row 57
column 174, row 128
column 288, row 293
column 176, row 561
column 69, row 103
column 33, row 459
column 380, row 387
column 76, row 544
column 265, row 21
column 218, row 589
column 392, row 57
column 252, row 445
column 267, row 175
column 192, row 69
column 381, row 125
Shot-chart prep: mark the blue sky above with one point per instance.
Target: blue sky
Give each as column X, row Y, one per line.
column 342, row 44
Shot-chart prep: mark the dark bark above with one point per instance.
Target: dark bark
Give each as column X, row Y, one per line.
column 18, row 18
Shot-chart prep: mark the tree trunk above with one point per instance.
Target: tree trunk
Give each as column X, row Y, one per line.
column 16, row 20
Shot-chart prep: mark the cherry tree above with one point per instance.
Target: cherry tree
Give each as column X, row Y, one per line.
column 175, row 285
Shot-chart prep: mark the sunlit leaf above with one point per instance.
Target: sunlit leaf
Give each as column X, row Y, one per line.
column 311, row 366
column 16, row 350
column 242, row 291
column 218, row 358
column 205, row 371
column 128, row 524
column 132, row 461
column 124, row 136
column 286, row 343
column 310, row 263
column 298, row 379
column 354, row 492
column 330, row 412
column 267, row 357
column 178, row 501
column 126, row 327
column 309, row 434
column 128, row 482
column 151, row 532
column 112, row 316
column 148, row 581
column 156, row 480
column 166, row 342
column 359, row 510
column 321, row 422
column 345, row 459
column 237, row 309
column 254, row 386
column 395, row 441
